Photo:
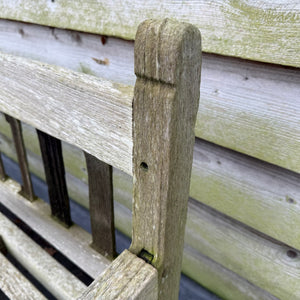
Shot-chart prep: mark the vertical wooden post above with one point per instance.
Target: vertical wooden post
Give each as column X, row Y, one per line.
column 55, row 177
column 16, row 128
column 101, row 205
column 2, row 170
column 166, row 97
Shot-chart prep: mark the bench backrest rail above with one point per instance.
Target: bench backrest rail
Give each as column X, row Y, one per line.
column 151, row 137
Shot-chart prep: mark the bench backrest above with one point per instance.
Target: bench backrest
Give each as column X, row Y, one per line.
column 149, row 134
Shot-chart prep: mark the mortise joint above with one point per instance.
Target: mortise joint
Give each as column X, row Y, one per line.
column 146, row 256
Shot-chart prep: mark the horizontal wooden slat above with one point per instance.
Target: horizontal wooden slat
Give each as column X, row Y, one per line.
column 73, row 242
column 250, row 107
column 127, row 277
column 263, row 196
column 264, row 30
column 223, row 282
column 262, row 261
column 61, row 283
column 232, row 287
column 82, row 110
column 14, row 284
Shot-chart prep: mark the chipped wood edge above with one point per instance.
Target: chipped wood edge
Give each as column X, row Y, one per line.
column 127, row 277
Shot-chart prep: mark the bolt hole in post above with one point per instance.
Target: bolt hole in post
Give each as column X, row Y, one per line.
column 292, row 254
column 144, row 166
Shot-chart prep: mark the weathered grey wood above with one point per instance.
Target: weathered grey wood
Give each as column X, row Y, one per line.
column 60, row 282
column 199, row 233
column 261, row 260
column 101, row 206
column 66, row 97
column 73, row 242
column 55, row 177
column 166, row 97
column 258, row 30
column 14, row 284
column 26, row 187
column 234, row 111
column 2, row 170
column 223, row 282
column 127, row 277
column 261, row 195
column 3, row 248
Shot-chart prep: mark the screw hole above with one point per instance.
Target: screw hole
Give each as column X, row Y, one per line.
column 291, row 254
column 144, row 166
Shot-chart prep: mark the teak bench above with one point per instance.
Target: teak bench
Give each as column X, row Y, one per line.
column 149, row 135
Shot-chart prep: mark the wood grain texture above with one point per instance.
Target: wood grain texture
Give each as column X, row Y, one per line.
column 166, row 97
column 101, row 206
column 73, row 242
column 249, row 107
column 16, row 129
column 60, row 282
column 79, row 109
column 260, row 195
column 263, row 261
column 14, row 284
column 2, row 170
column 127, row 277
column 223, row 282
column 260, row 30
column 192, row 264
column 51, row 151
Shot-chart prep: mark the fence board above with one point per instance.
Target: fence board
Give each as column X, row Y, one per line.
column 250, row 107
column 263, row 196
column 261, row 30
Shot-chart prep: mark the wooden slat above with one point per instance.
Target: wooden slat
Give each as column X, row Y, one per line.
column 191, row 265
column 264, row 30
column 212, row 275
column 254, row 256
column 101, row 206
column 61, row 283
column 91, row 113
column 26, row 188
column 261, row 195
column 223, row 282
column 55, row 177
column 166, row 97
column 242, row 253
column 128, row 277
column 14, row 284
column 3, row 248
column 250, row 107
column 73, row 242
column 2, row 170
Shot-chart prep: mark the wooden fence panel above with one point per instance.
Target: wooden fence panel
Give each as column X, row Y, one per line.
column 262, row 30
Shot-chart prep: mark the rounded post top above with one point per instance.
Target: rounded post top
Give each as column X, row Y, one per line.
column 164, row 48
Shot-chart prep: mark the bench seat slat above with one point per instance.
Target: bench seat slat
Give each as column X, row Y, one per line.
column 14, row 284
column 91, row 113
column 73, row 242
column 60, row 282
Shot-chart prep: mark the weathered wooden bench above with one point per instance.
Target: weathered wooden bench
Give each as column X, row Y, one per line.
column 149, row 134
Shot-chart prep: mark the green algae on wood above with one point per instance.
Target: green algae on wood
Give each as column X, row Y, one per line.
column 262, row 31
